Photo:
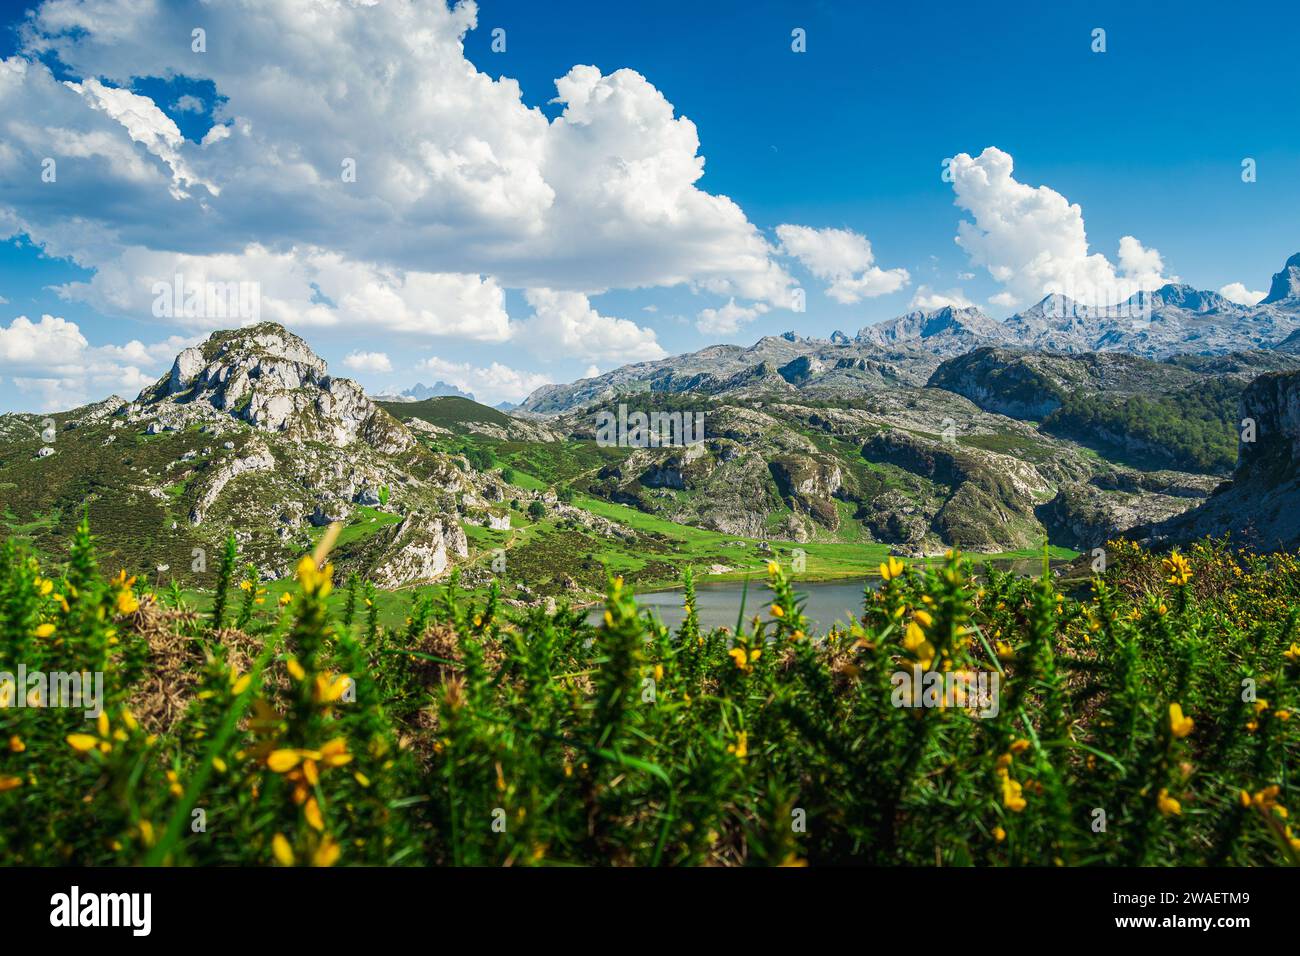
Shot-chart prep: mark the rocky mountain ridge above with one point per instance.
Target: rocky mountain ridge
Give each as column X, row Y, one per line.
column 1167, row 324
column 419, row 392
column 921, row 433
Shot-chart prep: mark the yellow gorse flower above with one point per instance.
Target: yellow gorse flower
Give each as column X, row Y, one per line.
column 892, row 568
column 1167, row 805
column 1179, row 725
column 127, row 602
column 311, row 811
column 741, row 747
column 914, row 641
column 330, row 687
column 82, row 743
column 335, row 753
column 1012, row 795
column 282, row 850
column 282, row 761
column 327, row 853
column 745, row 659
column 314, row 580
column 1176, row 566
column 1265, row 799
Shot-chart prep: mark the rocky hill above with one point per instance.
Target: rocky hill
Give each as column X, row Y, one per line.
column 247, row 434
column 917, row 468
column 1260, row 506
column 1172, row 320
column 269, row 378
column 419, row 392
column 1179, row 413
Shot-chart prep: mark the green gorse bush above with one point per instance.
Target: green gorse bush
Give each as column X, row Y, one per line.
column 1145, row 721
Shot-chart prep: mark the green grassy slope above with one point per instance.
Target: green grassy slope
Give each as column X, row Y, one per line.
column 447, row 411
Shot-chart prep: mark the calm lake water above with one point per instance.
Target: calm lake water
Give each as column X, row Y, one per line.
column 827, row 602
column 718, row 604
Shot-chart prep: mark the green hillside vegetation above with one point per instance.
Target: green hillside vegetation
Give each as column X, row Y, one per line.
column 471, row 733
column 1193, row 429
column 43, row 499
column 553, row 463
column 447, row 411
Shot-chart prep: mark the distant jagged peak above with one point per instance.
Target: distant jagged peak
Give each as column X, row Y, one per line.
column 922, row 324
column 438, row 389
column 1055, row 305
column 419, row 392
column 1286, row 284
column 783, row 340
column 1186, row 297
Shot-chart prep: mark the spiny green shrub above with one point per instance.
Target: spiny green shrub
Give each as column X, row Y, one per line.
column 1145, row 721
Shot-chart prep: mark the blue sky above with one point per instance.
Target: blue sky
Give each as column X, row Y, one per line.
column 1146, row 138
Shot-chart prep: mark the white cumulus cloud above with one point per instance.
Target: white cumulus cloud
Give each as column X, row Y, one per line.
column 454, row 174
column 52, row 360
column 1237, row 292
column 492, row 384
column 26, row 344
column 930, row 299
column 728, row 319
column 1032, row 240
column 844, row 259
column 299, row 288
column 567, row 323
column 368, row 362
